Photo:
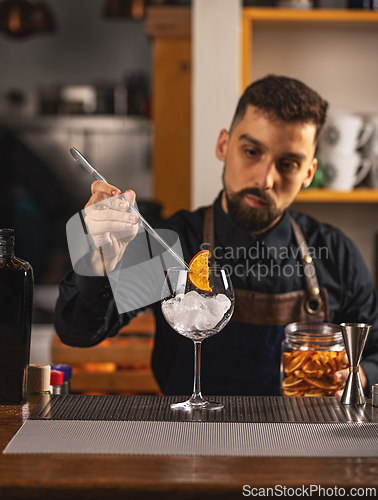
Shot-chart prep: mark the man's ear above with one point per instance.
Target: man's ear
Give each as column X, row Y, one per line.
column 222, row 144
column 310, row 173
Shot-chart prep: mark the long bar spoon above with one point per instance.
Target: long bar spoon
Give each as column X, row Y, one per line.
column 99, row 177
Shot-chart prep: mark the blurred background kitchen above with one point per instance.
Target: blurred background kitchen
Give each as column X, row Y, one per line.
column 142, row 89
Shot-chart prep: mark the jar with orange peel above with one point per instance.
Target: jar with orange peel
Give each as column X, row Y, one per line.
column 311, row 354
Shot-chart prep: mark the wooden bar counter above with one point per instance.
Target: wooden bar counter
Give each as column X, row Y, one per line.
column 169, row 477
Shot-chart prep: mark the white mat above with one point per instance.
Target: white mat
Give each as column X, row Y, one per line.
column 196, row 438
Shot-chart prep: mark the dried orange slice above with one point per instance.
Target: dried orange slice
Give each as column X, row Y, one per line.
column 292, row 393
column 340, row 360
column 199, row 267
column 310, row 368
column 291, row 382
column 325, row 385
column 286, row 357
column 315, row 394
column 297, row 362
column 299, row 374
column 332, row 361
column 300, row 387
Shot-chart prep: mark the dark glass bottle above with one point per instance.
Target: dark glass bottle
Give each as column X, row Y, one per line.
column 16, row 299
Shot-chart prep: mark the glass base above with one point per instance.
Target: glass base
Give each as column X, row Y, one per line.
column 201, row 405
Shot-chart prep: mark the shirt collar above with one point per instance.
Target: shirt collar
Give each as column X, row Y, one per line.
column 228, row 235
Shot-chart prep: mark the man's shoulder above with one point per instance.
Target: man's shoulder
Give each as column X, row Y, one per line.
column 321, row 233
column 311, row 226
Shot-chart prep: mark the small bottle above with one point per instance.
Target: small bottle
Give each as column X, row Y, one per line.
column 38, row 379
column 16, row 300
column 56, row 382
column 67, row 371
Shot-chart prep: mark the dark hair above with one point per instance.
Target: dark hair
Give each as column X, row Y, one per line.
column 284, row 98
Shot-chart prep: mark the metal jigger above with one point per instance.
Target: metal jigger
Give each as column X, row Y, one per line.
column 355, row 335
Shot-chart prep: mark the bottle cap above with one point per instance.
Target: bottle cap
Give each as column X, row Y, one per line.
column 66, row 369
column 56, row 378
column 38, row 378
column 6, row 234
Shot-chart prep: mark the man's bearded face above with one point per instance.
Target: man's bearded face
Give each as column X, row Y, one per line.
column 249, row 218
column 267, row 161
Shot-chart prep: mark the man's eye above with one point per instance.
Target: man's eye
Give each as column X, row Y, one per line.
column 288, row 166
column 251, row 152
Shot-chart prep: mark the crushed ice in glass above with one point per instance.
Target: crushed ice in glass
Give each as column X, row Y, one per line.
column 193, row 311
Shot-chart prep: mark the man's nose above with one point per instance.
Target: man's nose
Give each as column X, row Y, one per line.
column 264, row 175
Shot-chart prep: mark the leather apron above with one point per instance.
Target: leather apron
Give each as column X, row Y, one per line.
column 244, row 358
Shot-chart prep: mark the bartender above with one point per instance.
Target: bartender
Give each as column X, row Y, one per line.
column 285, row 266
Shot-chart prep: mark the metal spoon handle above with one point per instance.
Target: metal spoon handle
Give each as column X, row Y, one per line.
column 99, row 177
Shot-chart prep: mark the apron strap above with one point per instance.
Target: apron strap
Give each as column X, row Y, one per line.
column 314, row 301
column 209, row 233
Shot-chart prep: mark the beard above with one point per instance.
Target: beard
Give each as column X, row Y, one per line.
column 247, row 218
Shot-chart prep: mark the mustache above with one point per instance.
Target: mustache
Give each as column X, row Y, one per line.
column 255, row 191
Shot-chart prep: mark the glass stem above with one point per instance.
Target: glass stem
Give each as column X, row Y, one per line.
column 197, row 396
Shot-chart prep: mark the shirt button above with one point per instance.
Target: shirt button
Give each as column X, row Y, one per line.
column 105, row 295
column 107, row 286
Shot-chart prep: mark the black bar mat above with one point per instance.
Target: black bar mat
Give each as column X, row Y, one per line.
column 237, row 409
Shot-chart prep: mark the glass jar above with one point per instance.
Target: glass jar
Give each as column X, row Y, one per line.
column 311, row 354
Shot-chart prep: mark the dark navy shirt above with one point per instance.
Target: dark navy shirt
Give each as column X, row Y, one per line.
column 270, row 263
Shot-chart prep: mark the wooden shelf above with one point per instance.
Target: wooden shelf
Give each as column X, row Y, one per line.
column 270, row 16
column 128, row 381
column 121, row 352
column 331, row 196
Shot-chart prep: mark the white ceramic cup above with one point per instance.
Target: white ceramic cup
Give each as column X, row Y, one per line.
column 374, row 172
column 346, row 171
column 371, row 148
column 344, row 133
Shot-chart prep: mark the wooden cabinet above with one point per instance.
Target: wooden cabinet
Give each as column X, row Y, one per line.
column 169, row 28
column 118, row 365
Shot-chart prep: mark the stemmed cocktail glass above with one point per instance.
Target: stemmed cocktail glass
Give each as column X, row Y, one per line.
column 197, row 314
